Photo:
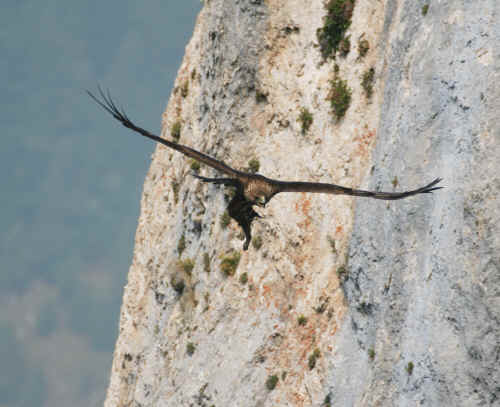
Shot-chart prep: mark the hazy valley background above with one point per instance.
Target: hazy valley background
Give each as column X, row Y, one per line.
column 71, row 182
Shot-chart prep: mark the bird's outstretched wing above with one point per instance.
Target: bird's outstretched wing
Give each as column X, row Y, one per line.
column 107, row 104
column 319, row 187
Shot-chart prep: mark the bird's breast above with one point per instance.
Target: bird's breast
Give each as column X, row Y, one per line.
column 257, row 188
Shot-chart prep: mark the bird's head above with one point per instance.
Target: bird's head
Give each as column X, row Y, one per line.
column 261, row 200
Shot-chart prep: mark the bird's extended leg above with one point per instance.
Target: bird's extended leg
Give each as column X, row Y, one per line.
column 239, row 208
column 242, row 212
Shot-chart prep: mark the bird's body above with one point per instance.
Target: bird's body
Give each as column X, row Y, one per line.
column 252, row 189
column 258, row 186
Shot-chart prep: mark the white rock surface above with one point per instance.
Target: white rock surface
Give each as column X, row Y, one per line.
column 423, row 282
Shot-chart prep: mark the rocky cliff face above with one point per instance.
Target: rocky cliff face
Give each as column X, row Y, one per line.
column 338, row 301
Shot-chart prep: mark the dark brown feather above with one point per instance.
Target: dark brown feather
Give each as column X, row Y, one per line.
column 107, row 104
column 318, row 187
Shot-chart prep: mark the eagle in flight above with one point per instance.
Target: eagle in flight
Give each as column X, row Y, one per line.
column 251, row 189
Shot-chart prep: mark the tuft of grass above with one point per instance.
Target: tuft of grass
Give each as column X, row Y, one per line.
column 302, row 320
column 206, row 262
column 261, row 96
column 321, row 308
column 305, row 119
column 175, row 131
column 331, row 241
column 257, row 242
column 181, row 244
column 395, row 182
column 313, row 357
column 187, row 265
column 175, row 188
column 185, row 89
column 425, row 9
column 253, row 165
column 335, row 23
column 229, row 263
column 367, row 82
column 345, row 46
column 339, row 97
column 371, row 353
column 195, row 165
column 342, row 273
column 178, row 285
column 244, row 278
column 271, row 382
column 363, row 47
column 190, row 348
column 225, row 220
column 409, row 368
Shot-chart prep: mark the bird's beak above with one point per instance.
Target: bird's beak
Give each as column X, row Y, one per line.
column 261, row 202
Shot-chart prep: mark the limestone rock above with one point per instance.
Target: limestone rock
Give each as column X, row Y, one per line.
column 347, row 301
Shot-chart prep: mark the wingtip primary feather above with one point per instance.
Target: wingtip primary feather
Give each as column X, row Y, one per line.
column 107, row 103
column 430, row 187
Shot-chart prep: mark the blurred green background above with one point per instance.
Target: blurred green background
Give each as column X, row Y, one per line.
column 71, row 182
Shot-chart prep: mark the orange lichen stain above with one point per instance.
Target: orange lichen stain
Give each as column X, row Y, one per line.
column 306, row 206
column 364, row 141
column 266, row 290
column 303, row 205
column 339, row 229
column 298, row 399
column 264, row 297
column 253, row 297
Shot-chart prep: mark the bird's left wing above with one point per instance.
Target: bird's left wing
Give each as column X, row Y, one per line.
column 318, row 187
column 107, row 104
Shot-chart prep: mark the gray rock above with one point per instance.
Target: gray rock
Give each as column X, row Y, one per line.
column 424, row 276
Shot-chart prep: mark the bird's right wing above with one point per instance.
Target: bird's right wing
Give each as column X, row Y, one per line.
column 319, row 187
column 107, row 104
